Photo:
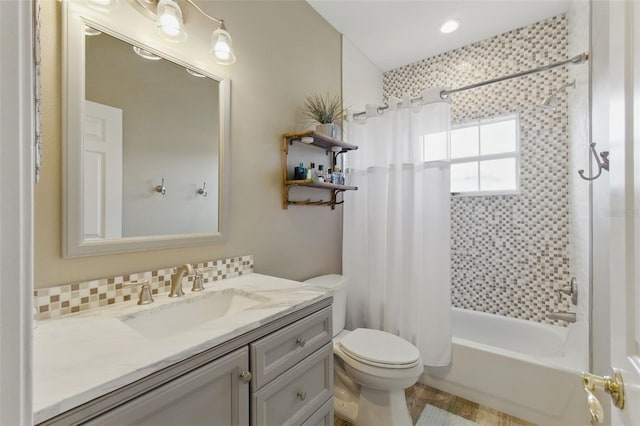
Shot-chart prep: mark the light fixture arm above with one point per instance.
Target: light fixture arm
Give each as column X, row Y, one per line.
column 218, row 20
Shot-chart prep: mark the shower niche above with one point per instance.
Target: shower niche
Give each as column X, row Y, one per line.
column 332, row 149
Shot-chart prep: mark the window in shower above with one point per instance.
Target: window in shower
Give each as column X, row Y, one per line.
column 484, row 156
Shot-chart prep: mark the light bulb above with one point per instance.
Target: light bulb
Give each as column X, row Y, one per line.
column 221, row 46
column 169, row 21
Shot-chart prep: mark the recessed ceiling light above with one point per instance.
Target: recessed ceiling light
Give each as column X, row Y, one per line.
column 449, row 26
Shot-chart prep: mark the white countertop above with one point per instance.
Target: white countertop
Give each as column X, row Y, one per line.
column 83, row 356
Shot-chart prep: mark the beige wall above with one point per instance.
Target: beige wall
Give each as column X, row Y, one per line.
column 285, row 51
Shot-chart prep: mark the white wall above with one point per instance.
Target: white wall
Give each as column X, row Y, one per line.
column 361, row 81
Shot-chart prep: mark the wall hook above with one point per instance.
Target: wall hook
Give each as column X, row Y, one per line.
column 602, row 164
column 201, row 191
column 160, row 188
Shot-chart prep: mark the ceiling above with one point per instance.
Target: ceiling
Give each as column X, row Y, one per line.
column 393, row 33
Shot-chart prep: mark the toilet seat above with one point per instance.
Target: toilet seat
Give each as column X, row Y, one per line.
column 379, row 349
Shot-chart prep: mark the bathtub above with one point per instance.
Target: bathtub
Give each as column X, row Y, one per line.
column 523, row 368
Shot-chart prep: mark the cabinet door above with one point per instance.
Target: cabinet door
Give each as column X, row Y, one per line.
column 210, row 395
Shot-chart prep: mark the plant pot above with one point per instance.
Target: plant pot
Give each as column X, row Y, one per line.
column 329, row 129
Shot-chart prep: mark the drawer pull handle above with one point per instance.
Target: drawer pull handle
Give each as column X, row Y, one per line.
column 301, row 342
column 245, row 377
column 302, row 395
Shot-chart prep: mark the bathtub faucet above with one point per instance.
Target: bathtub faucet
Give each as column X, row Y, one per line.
column 563, row 316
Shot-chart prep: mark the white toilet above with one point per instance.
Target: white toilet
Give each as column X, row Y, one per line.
column 372, row 367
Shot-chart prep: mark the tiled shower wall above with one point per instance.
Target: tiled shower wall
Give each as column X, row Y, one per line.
column 509, row 253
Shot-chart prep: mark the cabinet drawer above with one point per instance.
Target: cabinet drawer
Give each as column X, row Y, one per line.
column 298, row 393
column 278, row 352
column 322, row 417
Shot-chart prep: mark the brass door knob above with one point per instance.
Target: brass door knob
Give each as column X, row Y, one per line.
column 613, row 386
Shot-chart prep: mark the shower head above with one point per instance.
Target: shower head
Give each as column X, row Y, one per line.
column 551, row 102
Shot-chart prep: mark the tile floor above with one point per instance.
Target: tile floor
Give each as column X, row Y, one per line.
column 420, row 395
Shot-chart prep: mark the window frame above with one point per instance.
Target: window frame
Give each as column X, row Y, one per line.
column 479, row 158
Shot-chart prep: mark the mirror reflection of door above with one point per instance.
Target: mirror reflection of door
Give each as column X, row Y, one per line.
column 102, row 172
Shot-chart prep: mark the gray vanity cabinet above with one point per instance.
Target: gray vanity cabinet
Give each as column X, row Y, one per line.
column 214, row 394
column 280, row 373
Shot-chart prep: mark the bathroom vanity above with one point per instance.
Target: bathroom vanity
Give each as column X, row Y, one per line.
column 268, row 360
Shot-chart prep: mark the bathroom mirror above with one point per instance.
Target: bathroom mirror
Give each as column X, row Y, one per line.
column 146, row 142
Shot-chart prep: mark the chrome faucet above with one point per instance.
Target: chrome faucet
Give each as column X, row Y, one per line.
column 176, row 279
column 563, row 316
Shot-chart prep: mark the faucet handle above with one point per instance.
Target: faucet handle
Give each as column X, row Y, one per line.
column 198, row 285
column 570, row 289
column 145, row 296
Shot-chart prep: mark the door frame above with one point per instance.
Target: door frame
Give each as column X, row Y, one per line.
column 16, row 216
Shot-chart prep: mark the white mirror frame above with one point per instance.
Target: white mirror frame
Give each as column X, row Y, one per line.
column 126, row 23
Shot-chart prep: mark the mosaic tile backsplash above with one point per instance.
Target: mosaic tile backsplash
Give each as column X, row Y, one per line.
column 509, row 253
column 54, row 302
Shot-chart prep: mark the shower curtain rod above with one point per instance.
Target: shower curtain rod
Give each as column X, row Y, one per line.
column 576, row 60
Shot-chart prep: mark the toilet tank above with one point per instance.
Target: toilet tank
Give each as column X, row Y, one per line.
column 337, row 284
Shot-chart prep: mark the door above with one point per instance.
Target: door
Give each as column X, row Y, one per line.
column 624, row 116
column 102, row 171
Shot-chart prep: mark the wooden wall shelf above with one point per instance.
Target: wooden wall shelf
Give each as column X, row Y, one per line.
column 317, row 140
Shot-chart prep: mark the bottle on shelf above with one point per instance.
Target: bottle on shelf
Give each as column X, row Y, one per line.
column 338, row 176
column 310, row 171
column 321, row 173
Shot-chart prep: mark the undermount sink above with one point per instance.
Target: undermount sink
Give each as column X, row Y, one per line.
column 191, row 312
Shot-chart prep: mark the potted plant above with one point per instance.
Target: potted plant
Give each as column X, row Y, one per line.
column 325, row 110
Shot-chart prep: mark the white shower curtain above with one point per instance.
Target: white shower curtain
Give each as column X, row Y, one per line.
column 396, row 233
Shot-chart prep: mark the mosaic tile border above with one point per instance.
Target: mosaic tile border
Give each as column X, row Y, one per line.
column 54, row 302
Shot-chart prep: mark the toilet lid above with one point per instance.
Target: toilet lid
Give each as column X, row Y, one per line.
column 379, row 347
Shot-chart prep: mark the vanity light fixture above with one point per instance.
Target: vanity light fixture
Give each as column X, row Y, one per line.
column 146, row 54
column 103, row 3
column 169, row 21
column 88, row 31
column 449, row 26
column 221, row 46
column 194, row 73
column 170, row 24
